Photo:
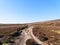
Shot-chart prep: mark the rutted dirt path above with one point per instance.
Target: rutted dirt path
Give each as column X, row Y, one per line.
column 28, row 34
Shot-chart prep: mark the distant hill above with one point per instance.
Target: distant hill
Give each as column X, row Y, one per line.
column 53, row 24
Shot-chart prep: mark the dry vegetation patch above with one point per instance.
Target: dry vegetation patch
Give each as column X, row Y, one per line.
column 44, row 31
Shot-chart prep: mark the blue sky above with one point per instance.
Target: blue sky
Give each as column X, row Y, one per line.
column 26, row 11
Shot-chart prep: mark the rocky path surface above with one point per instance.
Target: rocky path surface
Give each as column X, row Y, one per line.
column 27, row 34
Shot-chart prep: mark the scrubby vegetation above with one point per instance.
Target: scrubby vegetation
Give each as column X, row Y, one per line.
column 46, row 34
column 31, row 42
column 1, row 36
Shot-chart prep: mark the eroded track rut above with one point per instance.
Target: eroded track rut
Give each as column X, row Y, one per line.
column 28, row 34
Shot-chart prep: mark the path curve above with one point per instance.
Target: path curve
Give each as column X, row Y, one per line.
column 28, row 34
column 35, row 38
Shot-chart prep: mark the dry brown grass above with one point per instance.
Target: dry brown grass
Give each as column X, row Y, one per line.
column 53, row 36
column 30, row 42
column 8, row 28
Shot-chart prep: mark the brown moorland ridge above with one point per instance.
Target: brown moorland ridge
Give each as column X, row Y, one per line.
column 8, row 28
column 49, row 29
column 54, row 24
